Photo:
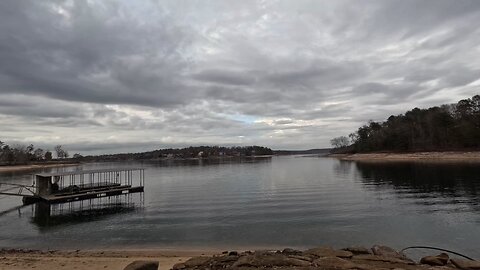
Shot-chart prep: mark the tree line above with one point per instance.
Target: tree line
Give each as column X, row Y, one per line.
column 184, row 153
column 22, row 154
column 445, row 127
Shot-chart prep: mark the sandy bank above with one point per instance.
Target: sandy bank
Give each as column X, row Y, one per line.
column 32, row 167
column 92, row 259
column 473, row 156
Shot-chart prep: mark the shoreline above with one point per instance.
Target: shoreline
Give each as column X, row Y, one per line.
column 31, row 167
column 377, row 257
column 444, row 156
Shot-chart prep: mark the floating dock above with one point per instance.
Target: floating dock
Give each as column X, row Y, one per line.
column 80, row 185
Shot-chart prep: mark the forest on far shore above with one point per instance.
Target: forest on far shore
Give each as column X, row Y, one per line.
column 446, row 127
column 20, row 154
column 186, row 153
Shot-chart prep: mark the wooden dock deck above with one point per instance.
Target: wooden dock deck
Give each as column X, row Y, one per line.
column 77, row 196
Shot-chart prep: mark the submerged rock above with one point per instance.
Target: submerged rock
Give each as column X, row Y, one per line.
column 142, row 265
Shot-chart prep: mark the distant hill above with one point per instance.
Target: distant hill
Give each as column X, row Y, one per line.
column 323, row 151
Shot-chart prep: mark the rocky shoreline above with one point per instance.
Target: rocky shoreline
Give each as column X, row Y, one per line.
column 378, row 257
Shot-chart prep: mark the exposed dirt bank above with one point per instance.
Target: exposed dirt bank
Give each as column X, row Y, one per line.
column 473, row 156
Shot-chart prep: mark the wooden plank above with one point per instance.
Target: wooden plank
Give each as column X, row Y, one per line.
column 90, row 190
column 97, row 185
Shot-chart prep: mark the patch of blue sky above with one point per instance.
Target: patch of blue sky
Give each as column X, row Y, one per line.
column 248, row 119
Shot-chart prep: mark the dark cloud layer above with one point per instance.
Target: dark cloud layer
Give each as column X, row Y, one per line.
column 112, row 75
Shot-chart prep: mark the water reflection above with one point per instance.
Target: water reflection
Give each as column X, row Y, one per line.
column 343, row 168
column 457, row 182
column 47, row 216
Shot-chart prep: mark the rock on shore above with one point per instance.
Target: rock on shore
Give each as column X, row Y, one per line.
column 378, row 257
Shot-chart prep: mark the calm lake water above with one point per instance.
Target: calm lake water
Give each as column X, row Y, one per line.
column 274, row 202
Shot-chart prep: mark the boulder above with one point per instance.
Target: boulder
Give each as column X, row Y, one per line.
column 358, row 250
column 179, row 266
column 296, row 262
column 387, row 251
column 334, row 263
column 142, row 265
column 439, row 260
column 300, row 257
column 244, row 261
column 262, row 252
column 466, row 264
column 291, row 251
column 269, row 261
column 226, row 259
column 382, row 259
column 197, row 261
column 328, row 252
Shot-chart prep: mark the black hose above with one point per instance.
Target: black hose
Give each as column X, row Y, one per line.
column 441, row 249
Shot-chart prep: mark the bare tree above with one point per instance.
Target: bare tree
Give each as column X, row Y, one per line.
column 340, row 142
column 61, row 153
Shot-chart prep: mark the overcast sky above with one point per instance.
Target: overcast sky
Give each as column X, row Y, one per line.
column 115, row 76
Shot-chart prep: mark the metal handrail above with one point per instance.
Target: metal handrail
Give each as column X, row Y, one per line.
column 19, row 186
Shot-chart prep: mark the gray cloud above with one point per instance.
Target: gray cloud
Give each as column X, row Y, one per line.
column 86, row 53
column 285, row 74
column 225, row 77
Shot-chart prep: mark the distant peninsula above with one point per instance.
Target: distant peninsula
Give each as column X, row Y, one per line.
column 449, row 131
